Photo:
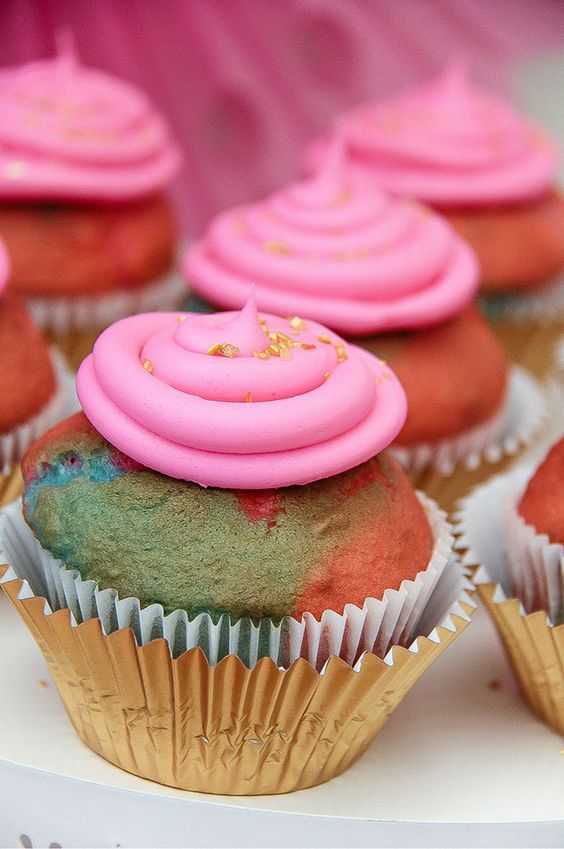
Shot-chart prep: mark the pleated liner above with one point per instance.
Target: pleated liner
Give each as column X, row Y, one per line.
column 225, row 729
column 535, row 650
column 534, row 646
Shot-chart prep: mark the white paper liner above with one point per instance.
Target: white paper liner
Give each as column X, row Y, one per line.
column 523, row 415
column 543, row 305
column 416, row 609
column 524, row 564
column 92, row 312
column 63, row 403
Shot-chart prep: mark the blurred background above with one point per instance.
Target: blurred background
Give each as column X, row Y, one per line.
column 245, row 83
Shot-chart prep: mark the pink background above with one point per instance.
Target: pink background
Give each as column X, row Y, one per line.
column 245, row 83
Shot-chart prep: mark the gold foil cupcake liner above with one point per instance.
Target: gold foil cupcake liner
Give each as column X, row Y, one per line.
column 73, row 323
column 529, row 325
column 533, row 642
column 396, row 619
column 450, row 468
column 224, row 727
column 14, row 444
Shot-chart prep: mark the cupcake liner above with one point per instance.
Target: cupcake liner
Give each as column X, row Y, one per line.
column 533, row 641
column 61, row 315
column 448, row 469
column 380, row 623
column 15, row 443
column 529, row 325
column 147, row 703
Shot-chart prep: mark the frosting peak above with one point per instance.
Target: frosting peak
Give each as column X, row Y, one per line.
column 74, row 132
column 449, row 143
column 271, row 402
column 341, row 252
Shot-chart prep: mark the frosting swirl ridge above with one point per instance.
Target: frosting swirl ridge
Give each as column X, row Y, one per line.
column 345, row 254
column 237, row 401
column 448, row 143
column 79, row 133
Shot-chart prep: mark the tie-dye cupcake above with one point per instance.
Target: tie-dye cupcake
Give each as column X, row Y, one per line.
column 492, row 173
column 395, row 278
column 227, row 488
column 85, row 162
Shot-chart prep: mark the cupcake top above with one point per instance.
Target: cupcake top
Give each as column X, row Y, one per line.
column 343, row 253
column 448, row 143
column 238, row 400
column 542, row 502
column 72, row 132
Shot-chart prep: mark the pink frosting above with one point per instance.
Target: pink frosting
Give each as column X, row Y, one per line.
column 448, row 144
column 340, row 252
column 73, row 132
column 155, row 389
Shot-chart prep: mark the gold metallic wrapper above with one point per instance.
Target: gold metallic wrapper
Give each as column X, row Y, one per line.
column 530, row 343
column 225, row 729
column 11, row 485
column 536, row 652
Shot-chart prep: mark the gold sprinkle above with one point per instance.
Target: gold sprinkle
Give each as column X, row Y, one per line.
column 285, row 354
column 341, row 352
column 15, row 170
column 297, row 324
column 261, row 355
column 326, row 375
column 342, row 198
column 274, row 350
column 239, row 226
column 228, row 350
column 273, row 246
column 213, row 349
column 148, row 366
column 181, row 318
column 324, row 339
column 249, row 398
column 307, row 347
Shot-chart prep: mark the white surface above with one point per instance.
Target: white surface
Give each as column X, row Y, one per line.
column 459, row 762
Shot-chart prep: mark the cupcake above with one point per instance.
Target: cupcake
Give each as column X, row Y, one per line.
column 393, row 277
column 85, row 163
column 33, row 386
column 513, row 527
column 492, row 173
column 227, row 488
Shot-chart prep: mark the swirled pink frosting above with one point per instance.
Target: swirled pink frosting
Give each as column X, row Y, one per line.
column 448, row 144
column 342, row 253
column 72, row 132
column 158, row 390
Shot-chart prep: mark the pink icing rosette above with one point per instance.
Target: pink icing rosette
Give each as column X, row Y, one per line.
column 237, row 401
column 448, row 144
column 73, row 132
column 345, row 254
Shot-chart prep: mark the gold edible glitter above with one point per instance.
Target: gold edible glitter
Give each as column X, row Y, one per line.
column 181, row 318
column 341, row 352
column 273, row 246
column 15, row 170
column 326, row 375
column 297, row 324
column 213, row 349
column 307, row 347
column 324, row 339
column 249, row 398
column 228, row 350
column 148, row 366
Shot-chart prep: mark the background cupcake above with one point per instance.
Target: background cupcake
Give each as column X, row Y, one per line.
column 395, row 278
column 513, row 527
column 492, row 173
column 34, row 387
column 84, row 167
column 300, row 543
